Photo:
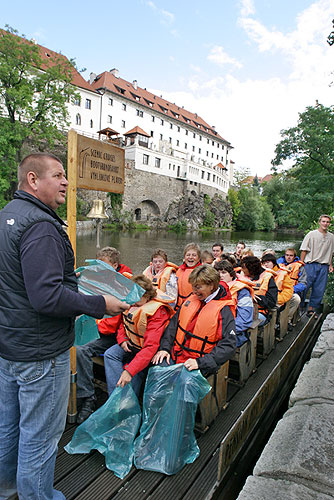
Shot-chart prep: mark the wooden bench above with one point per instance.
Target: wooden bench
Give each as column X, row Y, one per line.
column 243, row 363
column 266, row 336
column 282, row 320
column 215, row 400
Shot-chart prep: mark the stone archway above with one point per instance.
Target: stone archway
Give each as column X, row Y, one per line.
column 146, row 210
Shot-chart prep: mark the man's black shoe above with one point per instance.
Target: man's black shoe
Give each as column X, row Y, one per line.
column 88, row 407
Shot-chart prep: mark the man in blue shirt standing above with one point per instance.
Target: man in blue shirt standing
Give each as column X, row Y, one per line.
column 39, row 300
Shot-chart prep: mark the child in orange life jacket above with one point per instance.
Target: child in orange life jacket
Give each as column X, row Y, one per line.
column 191, row 259
column 107, row 328
column 242, row 294
column 163, row 274
column 202, row 332
column 263, row 282
column 138, row 337
column 282, row 279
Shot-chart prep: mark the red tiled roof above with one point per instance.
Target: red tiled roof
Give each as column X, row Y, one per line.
column 48, row 57
column 145, row 98
column 266, row 178
column 108, row 132
column 137, row 130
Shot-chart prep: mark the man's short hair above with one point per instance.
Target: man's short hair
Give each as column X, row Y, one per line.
column 192, row 246
column 241, row 243
column 204, row 275
column 110, row 253
column 291, row 250
column 158, row 252
column 325, row 216
column 218, row 245
column 269, row 257
column 34, row 163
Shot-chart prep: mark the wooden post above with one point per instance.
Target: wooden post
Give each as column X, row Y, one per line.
column 72, row 162
column 72, row 165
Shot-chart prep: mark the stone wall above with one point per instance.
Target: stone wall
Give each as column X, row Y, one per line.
column 298, row 460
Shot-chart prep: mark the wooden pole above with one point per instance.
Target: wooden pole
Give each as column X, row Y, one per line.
column 72, row 165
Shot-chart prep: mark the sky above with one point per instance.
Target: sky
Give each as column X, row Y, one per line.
column 246, row 66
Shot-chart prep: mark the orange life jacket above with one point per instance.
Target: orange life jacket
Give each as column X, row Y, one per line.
column 160, row 280
column 205, row 335
column 135, row 319
column 237, row 285
column 294, row 269
column 260, row 286
column 284, row 285
column 184, row 288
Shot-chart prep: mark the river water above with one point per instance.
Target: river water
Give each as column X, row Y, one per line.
column 136, row 247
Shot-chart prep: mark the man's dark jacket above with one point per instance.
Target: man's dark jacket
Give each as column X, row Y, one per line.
column 38, row 286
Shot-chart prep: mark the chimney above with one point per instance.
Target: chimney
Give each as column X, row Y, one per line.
column 92, row 77
column 114, row 72
column 213, row 127
column 134, row 83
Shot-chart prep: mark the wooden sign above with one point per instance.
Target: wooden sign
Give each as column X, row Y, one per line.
column 100, row 166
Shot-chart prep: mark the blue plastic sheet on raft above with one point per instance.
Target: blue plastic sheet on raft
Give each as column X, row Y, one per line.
column 167, row 441
column 99, row 278
column 111, row 430
column 85, row 330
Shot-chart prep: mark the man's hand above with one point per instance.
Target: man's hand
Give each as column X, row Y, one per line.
column 330, row 269
column 124, row 379
column 114, row 306
column 160, row 356
column 125, row 346
column 191, row 364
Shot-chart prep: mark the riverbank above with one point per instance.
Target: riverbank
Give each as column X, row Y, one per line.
column 298, row 460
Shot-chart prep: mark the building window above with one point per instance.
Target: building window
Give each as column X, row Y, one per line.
column 217, row 157
column 186, row 132
column 177, row 142
column 145, row 159
column 217, row 144
column 153, row 118
column 200, row 137
column 223, row 147
column 185, row 145
column 222, row 158
column 213, row 177
column 77, row 101
column 110, row 101
column 178, row 129
column 152, row 133
column 139, row 113
column 211, row 155
column 157, row 162
column 199, row 150
column 91, row 123
column 207, row 153
column 78, row 119
column 161, row 121
column 123, row 106
column 202, row 174
column 173, row 168
column 161, row 137
column 123, row 123
column 170, row 140
column 208, row 176
column 170, row 125
column 194, row 136
column 88, row 104
column 213, row 143
column 208, row 141
column 193, row 149
column 109, row 119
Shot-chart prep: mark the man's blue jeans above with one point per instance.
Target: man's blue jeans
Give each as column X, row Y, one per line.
column 317, row 276
column 33, row 404
column 114, row 359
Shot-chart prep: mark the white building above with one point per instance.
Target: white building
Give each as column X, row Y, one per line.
column 159, row 136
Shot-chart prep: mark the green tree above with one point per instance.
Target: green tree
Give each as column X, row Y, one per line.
column 239, row 175
column 35, row 88
column 310, row 148
column 233, row 198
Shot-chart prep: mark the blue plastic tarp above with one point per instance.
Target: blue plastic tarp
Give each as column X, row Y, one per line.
column 111, row 430
column 99, row 278
column 167, row 441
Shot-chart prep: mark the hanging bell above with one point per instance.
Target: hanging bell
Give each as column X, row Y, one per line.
column 97, row 211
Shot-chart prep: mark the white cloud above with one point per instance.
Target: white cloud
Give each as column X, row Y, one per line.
column 168, row 16
column 218, row 56
column 247, row 7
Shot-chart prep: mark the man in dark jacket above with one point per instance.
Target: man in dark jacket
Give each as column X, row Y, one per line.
column 39, row 300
